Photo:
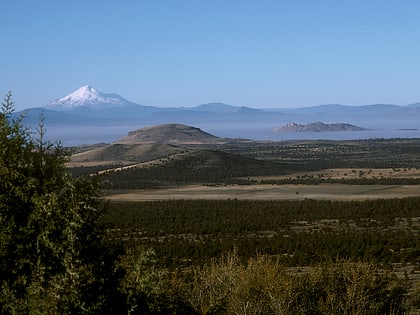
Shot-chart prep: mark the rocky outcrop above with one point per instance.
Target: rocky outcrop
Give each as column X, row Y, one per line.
column 317, row 127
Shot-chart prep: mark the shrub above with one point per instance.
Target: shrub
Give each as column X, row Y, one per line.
column 263, row 286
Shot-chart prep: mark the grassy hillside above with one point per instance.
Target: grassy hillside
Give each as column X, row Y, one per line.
column 124, row 153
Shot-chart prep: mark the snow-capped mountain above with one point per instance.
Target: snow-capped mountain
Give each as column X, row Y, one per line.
column 88, row 97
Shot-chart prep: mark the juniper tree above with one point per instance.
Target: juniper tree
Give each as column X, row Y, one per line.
column 52, row 255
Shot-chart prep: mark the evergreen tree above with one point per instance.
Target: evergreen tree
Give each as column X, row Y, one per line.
column 52, row 254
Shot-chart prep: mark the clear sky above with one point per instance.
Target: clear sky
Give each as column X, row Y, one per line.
column 258, row 53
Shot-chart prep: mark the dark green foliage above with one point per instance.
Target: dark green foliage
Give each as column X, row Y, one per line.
column 53, row 258
column 188, row 235
column 149, row 289
column 322, row 154
column 305, row 232
column 200, row 166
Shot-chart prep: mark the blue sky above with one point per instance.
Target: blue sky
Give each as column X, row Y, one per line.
column 189, row 52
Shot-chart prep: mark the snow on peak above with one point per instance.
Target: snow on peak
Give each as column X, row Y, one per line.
column 87, row 96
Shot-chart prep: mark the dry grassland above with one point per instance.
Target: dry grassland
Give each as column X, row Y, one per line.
column 269, row 192
column 351, row 173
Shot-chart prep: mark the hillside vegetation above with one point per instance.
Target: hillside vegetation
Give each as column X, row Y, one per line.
column 123, row 154
column 193, row 167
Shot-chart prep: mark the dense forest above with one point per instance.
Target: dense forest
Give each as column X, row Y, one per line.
column 302, row 252
column 299, row 232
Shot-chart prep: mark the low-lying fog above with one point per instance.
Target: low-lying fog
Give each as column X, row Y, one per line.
column 78, row 135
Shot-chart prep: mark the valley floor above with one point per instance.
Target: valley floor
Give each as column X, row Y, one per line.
column 268, row 192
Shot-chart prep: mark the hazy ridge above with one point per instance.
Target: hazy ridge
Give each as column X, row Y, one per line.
column 90, row 116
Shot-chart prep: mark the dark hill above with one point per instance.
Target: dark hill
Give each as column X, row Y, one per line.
column 170, row 134
column 203, row 166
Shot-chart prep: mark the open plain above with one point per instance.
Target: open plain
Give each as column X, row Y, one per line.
column 268, row 192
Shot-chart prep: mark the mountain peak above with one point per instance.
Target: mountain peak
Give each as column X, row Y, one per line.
column 86, row 96
column 84, row 93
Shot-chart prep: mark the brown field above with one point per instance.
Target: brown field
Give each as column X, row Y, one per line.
column 269, row 192
column 351, row 173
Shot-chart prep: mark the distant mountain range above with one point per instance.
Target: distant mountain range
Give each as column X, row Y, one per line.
column 317, row 127
column 87, row 101
column 89, row 109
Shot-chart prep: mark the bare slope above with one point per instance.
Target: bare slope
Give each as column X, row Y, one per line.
column 124, row 153
column 170, row 134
